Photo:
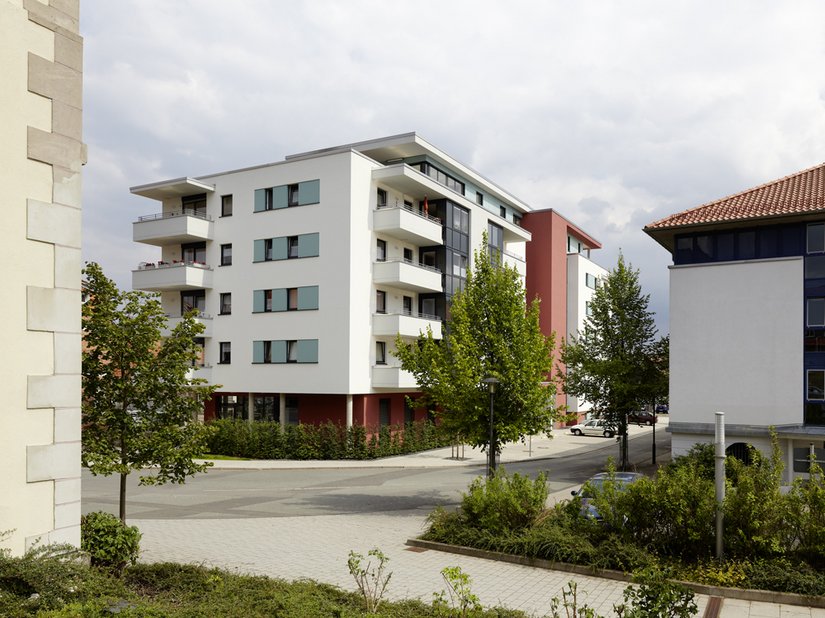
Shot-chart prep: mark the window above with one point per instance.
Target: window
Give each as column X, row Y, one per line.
column 381, row 200
column 588, row 309
column 285, row 299
column 281, row 351
column 287, row 196
column 409, row 412
column 268, row 248
column 442, row 177
column 194, row 252
column 380, row 352
column 816, row 238
column 226, row 303
column 590, row 281
column 428, row 257
column 291, row 410
column 292, row 351
column 265, row 408
column 816, row 384
column 495, row 240
column 286, row 247
column 517, row 219
column 194, row 205
column 192, row 300
column 428, row 306
column 408, row 255
column 226, row 205
column 384, row 411
column 292, row 242
column 381, row 250
column 479, row 198
column 816, row 312
column 380, row 301
column 226, row 255
column 407, row 305
column 267, row 351
column 225, row 353
column 502, row 211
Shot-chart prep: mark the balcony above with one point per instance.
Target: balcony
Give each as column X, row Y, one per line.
column 516, row 261
column 163, row 276
column 173, row 321
column 172, row 228
column 407, row 224
column 389, row 376
column 406, row 325
column 400, row 273
column 203, row 372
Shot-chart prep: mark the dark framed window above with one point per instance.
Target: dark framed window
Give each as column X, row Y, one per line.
column 380, row 301
column 816, row 385
column 381, row 250
column 380, row 352
column 517, row 219
column 226, row 254
column 292, row 299
column 381, row 198
column 287, row 196
column 815, row 312
column 479, row 198
column 194, row 252
column 408, row 255
column 268, row 244
column 590, row 281
column 292, row 410
column 292, row 195
column 408, row 301
column 226, row 303
column 292, row 351
column 495, row 241
column 225, row 353
column 409, row 412
column 226, row 205
column 194, row 204
column 384, row 406
column 292, row 243
column 265, row 408
column 192, row 299
column 267, row 300
column 502, row 211
column 815, row 238
column 442, row 177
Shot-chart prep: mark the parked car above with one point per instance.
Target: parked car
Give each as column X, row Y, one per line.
column 622, row 479
column 662, row 408
column 642, row 417
column 594, row 427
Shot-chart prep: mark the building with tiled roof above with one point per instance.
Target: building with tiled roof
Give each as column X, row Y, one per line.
column 747, row 318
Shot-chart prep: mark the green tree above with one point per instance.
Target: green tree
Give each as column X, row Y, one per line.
column 616, row 362
column 490, row 332
column 139, row 403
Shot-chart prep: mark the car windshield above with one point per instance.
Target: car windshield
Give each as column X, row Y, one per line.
column 594, row 485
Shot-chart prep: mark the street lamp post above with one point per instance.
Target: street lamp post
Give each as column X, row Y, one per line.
column 491, row 454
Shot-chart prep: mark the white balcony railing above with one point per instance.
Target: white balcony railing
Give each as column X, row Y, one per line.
column 167, row 228
column 161, row 276
column 405, row 324
column 401, row 273
column 391, row 376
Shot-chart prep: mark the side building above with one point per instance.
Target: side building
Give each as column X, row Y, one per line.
column 41, row 154
column 305, row 270
column 747, row 319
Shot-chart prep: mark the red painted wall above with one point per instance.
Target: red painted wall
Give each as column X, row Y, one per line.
column 319, row 409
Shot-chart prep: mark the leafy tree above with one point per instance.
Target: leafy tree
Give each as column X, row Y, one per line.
column 490, row 332
column 139, row 403
column 616, row 363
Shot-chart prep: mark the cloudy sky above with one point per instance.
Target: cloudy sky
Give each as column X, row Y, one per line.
column 613, row 113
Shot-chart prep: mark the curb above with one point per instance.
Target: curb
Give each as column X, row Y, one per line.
column 743, row 594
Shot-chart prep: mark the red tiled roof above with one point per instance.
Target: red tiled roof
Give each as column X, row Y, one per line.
column 800, row 193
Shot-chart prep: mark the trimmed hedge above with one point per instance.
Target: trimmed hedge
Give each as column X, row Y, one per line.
column 266, row 440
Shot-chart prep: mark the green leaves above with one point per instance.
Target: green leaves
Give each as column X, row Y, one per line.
column 139, row 401
column 490, row 332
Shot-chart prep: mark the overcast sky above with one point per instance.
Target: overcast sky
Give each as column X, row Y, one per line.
column 613, row 113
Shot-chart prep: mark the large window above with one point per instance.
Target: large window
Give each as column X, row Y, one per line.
column 381, row 250
column 380, row 301
column 192, row 300
column 380, row 352
column 816, row 385
column 194, row 252
column 816, row 238
column 194, row 205
column 590, row 281
column 286, row 247
column 226, row 303
column 381, row 198
column 757, row 243
column 495, row 242
column 266, row 408
column 285, row 299
column 226, row 255
column 285, row 351
column 816, row 312
column 287, row 196
column 225, row 353
column 442, row 177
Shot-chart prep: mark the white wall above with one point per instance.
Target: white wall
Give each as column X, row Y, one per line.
column 736, row 342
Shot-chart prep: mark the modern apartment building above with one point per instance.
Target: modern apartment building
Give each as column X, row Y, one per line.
column 747, row 318
column 305, row 270
column 41, row 155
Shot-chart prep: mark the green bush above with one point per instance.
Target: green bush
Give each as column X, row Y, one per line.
column 266, row 440
column 504, row 503
column 110, row 543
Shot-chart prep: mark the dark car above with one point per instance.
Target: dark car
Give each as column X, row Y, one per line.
column 642, row 418
column 622, row 479
column 662, row 408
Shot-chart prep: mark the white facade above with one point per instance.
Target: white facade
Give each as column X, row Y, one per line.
column 583, row 276
column 373, row 239
column 41, row 154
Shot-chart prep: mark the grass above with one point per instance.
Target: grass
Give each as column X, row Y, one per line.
column 223, row 457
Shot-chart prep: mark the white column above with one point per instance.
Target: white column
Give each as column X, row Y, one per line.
column 282, row 410
column 349, row 410
column 789, row 474
column 250, row 407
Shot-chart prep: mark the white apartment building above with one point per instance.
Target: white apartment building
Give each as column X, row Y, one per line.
column 305, row 270
column 41, row 155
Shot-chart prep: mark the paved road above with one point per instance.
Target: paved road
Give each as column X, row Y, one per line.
column 222, row 493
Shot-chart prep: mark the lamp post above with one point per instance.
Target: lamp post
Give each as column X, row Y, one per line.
column 491, row 454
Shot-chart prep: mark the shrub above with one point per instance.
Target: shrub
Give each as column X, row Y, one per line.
column 806, row 509
column 783, row 575
column 656, row 596
column 110, row 543
column 503, row 503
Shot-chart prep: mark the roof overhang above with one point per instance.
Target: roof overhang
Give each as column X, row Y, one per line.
column 178, row 187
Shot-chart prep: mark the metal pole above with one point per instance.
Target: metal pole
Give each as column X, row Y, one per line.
column 491, row 465
column 719, row 476
column 653, row 433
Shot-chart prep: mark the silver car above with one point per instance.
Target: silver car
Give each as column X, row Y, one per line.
column 594, row 427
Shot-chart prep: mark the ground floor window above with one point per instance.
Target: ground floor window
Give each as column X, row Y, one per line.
column 802, row 458
column 231, row 407
column 266, row 408
column 292, row 416
column 384, row 412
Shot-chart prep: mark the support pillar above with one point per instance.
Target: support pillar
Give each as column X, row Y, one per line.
column 282, row 410
column 250, row 407
column 349, row 411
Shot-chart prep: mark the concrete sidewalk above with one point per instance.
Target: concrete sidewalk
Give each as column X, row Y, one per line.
column 317, row 547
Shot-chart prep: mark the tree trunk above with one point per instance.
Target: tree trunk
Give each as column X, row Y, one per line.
column 123, row 497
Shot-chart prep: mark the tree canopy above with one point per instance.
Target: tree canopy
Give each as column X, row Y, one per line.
column 490, row 332
column 616, row 362
column 139, row 401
